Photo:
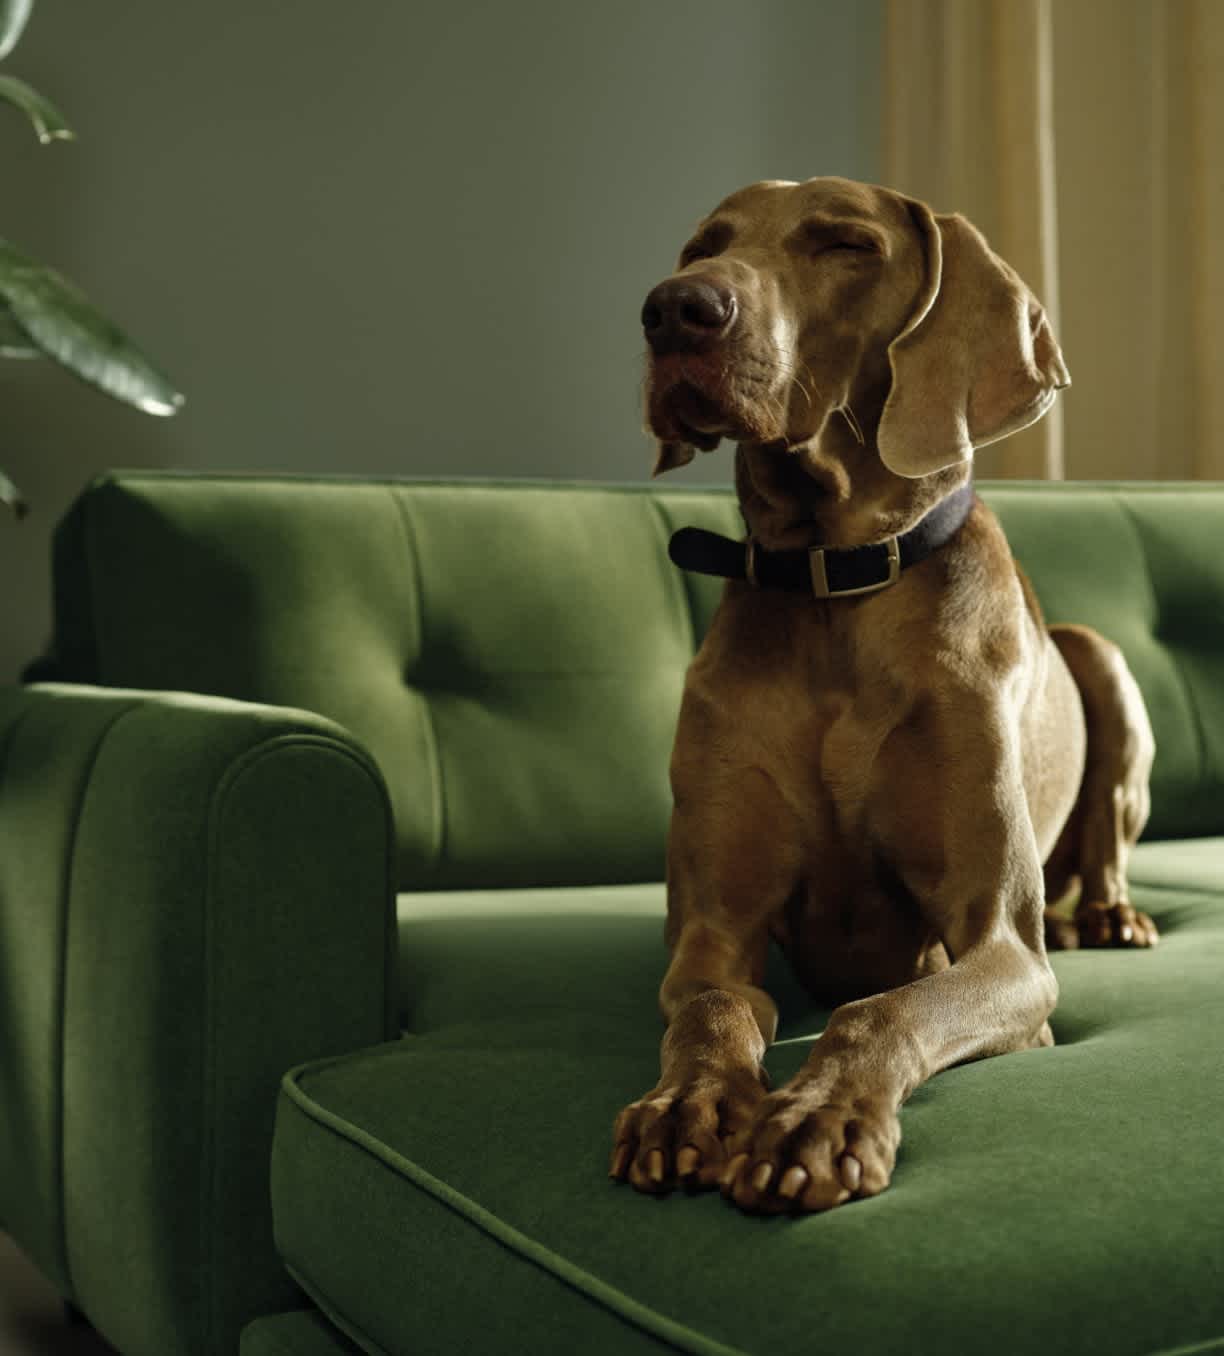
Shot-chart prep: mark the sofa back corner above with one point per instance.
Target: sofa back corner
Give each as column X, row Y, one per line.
column 512, row 654
column 1141, row 563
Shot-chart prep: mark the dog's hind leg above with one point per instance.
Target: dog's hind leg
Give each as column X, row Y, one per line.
column 1113, row 802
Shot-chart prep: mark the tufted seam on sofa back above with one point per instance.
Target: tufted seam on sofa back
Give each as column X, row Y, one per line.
column 416, row 652
column 679, row 579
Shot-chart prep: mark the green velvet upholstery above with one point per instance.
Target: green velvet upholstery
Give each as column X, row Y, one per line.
column 197, row 892
column 1142, row 564
column 450, row 628
column 302, row 1333
column 532, row 627
column 1064, row 1200
column 194, row 893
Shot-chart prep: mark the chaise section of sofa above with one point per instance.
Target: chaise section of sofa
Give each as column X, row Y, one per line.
column 510, row 658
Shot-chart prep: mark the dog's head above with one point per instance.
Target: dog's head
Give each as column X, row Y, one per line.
column 799, row 311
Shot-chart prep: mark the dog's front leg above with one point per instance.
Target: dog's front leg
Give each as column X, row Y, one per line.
column 832, row 1132
column 683, row 1130
column 727, row 873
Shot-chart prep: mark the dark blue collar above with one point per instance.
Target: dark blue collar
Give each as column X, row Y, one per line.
column 825, row 571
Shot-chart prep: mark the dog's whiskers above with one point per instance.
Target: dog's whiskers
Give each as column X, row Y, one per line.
column 848, row 415
column 790, row 372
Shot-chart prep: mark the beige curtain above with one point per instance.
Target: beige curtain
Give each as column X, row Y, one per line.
column 1086, row 139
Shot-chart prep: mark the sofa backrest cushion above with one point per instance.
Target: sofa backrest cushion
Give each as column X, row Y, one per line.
column 1143, row 563
column 513, row 653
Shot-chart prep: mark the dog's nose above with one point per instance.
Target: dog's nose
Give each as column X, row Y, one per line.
column 687, row 314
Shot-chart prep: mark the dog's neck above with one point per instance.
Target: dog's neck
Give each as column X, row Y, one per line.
column 831, row 488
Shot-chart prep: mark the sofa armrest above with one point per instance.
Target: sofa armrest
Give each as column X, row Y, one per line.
column 195, row 895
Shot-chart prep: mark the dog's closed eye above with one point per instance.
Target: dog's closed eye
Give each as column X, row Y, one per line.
column 711, row 240
column 832, row 237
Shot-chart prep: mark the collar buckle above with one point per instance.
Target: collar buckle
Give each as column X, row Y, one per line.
column 820, row 579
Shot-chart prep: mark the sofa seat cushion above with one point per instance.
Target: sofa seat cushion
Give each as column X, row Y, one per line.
column 466, row 957
column 449, row 1191
column 1180, row 864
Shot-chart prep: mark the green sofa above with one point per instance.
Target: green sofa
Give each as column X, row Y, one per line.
column 331, row 841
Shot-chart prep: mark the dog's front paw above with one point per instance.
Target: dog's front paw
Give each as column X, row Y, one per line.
column 805, row 1152
column 678, row 1133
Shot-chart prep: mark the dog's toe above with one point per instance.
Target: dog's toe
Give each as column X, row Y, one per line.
column 677, row 1135
column 807, row 1155
column 1100, row 923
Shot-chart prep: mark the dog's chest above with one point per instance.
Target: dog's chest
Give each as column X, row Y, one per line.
column 811, row 703
column 849, row 935
column 814, row 709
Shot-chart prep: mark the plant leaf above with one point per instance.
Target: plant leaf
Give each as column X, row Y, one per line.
column 48, row 121
column 14, row 342
column 10, row 497
column 13, row 16
column 62, row 322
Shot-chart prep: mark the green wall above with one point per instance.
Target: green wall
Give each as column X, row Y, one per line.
column 392, row 238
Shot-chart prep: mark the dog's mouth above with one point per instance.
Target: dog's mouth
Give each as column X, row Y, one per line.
column 692, row 398
column 694, row 416
column 702, row 398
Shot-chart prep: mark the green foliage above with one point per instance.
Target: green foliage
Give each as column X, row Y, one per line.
column 57, row 319
column 13, row 16
column 41, row 313
column 48, row 121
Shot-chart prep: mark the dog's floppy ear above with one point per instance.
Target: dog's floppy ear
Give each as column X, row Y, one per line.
column 672, row 455
column 977, row 359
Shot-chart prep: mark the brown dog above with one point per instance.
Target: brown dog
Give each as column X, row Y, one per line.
column 875, row 778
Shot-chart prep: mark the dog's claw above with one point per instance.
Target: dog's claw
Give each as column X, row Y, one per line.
column 687, row 1161
column 762, row 1176
column 619, row 1156
column 794, row 1179
column 851, row 1172
column 732, row 1170
column 654, row 1165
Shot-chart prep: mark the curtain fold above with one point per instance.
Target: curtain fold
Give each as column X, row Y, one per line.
column 968, row 128
column 1204, row 57
column 1086, row 139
